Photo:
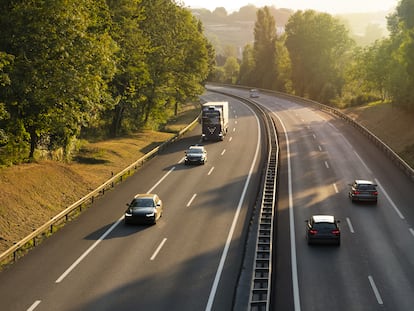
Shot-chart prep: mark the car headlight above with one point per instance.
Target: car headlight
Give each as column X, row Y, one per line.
column 127, row 214
column 150, row 215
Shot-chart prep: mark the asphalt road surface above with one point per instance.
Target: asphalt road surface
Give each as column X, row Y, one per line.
column 373, row 269
column 189, row 260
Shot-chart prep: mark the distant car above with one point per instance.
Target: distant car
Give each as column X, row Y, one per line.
column 144, row 209
column 196, row 154
column 363, row 190
column 323, row 229
column 254, row 93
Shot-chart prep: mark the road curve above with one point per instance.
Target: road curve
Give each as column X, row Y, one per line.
column 373, row 269
column 190, row 260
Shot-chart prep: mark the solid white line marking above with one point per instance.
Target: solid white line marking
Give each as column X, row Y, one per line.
column 158, row 249
column 389, row 200
column 295, row 281
column 326, row 164
column 191, row 200
column 351, row 228
column 210, row 171
column 362, row 161
column 335, row 188
column 103, row 236
column 162, row 178
column 100, row 239
column 224, row 151
column 412, row 231
column 34, row 305
column 233, row 225
column 375, row 289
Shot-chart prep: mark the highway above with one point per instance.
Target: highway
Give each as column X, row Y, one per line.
column 192, row 258
column 189, row 260
column 373, row 269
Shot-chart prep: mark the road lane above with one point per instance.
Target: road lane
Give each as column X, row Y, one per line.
column 170, row 265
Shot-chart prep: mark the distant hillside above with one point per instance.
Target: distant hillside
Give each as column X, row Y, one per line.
column 237, row 29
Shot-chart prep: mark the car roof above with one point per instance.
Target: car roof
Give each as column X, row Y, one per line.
column 323, row 218
column 144, row 195
column 365, row 182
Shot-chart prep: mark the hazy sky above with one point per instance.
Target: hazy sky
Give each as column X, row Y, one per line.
column 329, row 6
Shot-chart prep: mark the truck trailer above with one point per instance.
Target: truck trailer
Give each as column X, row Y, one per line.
column 214, row 120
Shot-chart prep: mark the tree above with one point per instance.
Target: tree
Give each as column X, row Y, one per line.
column 231, row 70
column 178, row 61
column 63, row 60
column 247, row 66
column 318, row 46
column 265, row 72
column 401, row 27
column 132, row 73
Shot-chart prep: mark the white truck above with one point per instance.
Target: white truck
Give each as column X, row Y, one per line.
column 214, row 120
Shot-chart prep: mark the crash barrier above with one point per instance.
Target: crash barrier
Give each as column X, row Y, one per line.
column 261, row 275
column 49, row 227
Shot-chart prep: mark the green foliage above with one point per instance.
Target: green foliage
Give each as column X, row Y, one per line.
column 231, row 70
column 318, row 46
column 69, row 67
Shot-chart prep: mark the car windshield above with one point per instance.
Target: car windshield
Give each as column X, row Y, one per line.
column 324, row 226
column 142, row 202
column 195, row 150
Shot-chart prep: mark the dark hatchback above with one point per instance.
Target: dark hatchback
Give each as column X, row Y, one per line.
column 323, row 229
column 144, row 209
column 363, row 190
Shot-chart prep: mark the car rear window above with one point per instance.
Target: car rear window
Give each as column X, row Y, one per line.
column 324, row 226
column 366, row 187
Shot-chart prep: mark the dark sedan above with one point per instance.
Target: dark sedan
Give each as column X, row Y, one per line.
column 144, row 209
column 323, row 229
column 363, row 190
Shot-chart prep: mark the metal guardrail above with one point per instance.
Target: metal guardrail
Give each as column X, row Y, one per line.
column 260, row 292
column 30, row 240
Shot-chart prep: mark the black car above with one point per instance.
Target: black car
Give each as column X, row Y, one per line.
column 196, row 154
column 363, row 190
column 323, row 229
column 144, row 209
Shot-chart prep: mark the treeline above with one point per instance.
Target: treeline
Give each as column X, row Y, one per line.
column 316, row 58
column 69, row 68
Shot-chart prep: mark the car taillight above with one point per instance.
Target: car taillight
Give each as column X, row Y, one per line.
column 336, row 232
column 375, row 192
column 356, row 192
column 313, row 231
